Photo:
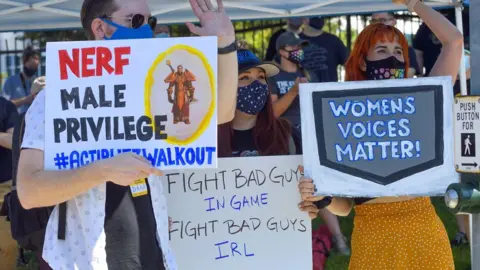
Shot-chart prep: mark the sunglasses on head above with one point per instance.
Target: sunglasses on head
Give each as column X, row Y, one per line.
column 138, row 20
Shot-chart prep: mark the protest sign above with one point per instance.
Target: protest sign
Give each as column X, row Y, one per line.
column 243, row 215
column 153, row 97
column 379, row 138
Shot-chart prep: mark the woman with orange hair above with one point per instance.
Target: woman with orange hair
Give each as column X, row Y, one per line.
column 394, row 232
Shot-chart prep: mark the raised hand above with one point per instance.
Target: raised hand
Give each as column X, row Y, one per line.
column 213, row 22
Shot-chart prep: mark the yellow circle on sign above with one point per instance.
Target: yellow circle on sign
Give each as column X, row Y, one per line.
column 150, row 81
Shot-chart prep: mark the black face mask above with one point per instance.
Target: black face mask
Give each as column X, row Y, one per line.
column 29, row 72
column 388, row 68
column 317, row 23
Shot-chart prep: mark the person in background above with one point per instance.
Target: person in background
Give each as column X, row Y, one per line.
column 294, row 25
column 108, row 227
column 388, row 18
column 285, row 85
column 20, row 89
column 394, row 232
column 162, row 31
column 8, row 117
column 428, row 46
column 325, row 51
column 285, row 101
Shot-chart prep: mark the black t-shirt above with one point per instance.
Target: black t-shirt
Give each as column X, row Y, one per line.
column 130, row 229
column 413, row 60
column 323, row 56
column 243, row 144
column 426, row 42
column 8, row 117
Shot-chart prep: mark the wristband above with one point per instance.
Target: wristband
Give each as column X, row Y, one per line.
column 411, row 4
column 325, row 202
column 229, row 49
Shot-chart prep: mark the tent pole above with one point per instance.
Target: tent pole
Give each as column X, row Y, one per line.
column 462, row 73
column 475, row 90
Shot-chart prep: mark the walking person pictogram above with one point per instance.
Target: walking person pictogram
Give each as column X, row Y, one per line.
column 468, row 145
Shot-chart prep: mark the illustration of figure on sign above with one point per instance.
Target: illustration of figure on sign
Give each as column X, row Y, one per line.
column 180, row 92
column 468, row 144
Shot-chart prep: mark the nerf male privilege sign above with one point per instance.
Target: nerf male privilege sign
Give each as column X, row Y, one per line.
column 106, row 98
column 382, row 134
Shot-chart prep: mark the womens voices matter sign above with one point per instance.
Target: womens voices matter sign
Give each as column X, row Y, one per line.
column 243, row 215
column 153, row 97
column 379, row 138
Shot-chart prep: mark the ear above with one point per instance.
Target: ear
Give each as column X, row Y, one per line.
column 283, row 53
column 99, row 29
column 362, row 65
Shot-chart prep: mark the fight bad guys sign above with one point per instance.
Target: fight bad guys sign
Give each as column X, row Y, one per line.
column 243, row 215
column 153, row 97
column 379, row 138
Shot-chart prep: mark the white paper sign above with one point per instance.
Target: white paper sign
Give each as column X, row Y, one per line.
column 379, row 138
column 154, row 97
column 467, row 132
column 243, row 215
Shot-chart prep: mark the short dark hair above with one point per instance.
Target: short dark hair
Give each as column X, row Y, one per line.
column 93, row 9
column 28, row 53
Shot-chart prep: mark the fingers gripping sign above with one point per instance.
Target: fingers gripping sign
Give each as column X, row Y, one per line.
column 213, row 22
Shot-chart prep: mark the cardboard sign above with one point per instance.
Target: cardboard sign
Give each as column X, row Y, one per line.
column 243, row 215
column 467, row 132
column 110, row 97
column 379, row 138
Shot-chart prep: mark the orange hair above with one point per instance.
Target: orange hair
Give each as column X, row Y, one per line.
column 368, row 38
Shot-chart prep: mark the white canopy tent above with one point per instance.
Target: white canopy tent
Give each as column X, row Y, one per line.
column 21, row 15
column 29, row 15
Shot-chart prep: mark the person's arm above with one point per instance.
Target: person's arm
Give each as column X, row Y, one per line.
column 448, row 61
column 217, row 23
column 6, row 139
column 281, row 105
column 8, row 89
column 37, row 187
column 227, row 82
column 11, row 117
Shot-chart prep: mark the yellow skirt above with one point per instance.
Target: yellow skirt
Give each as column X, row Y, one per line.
column 401, row 235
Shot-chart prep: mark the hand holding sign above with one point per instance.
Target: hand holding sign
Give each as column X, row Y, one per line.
column 295, row 88
column 125, row 168
column 38, row 85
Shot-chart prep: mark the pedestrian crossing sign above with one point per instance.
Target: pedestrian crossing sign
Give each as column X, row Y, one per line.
column 467, row 126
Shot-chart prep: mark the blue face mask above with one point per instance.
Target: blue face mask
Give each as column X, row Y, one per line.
column 162, row 35
column 252, row 98
column 123, row 32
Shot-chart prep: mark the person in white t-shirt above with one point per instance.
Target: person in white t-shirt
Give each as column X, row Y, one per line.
column 107, row 227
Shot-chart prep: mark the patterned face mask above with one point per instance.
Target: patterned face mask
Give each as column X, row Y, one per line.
column 388, row 68
column 296, row 56
column 252, row 98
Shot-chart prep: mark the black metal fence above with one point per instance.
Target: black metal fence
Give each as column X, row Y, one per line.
column 256, row 33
